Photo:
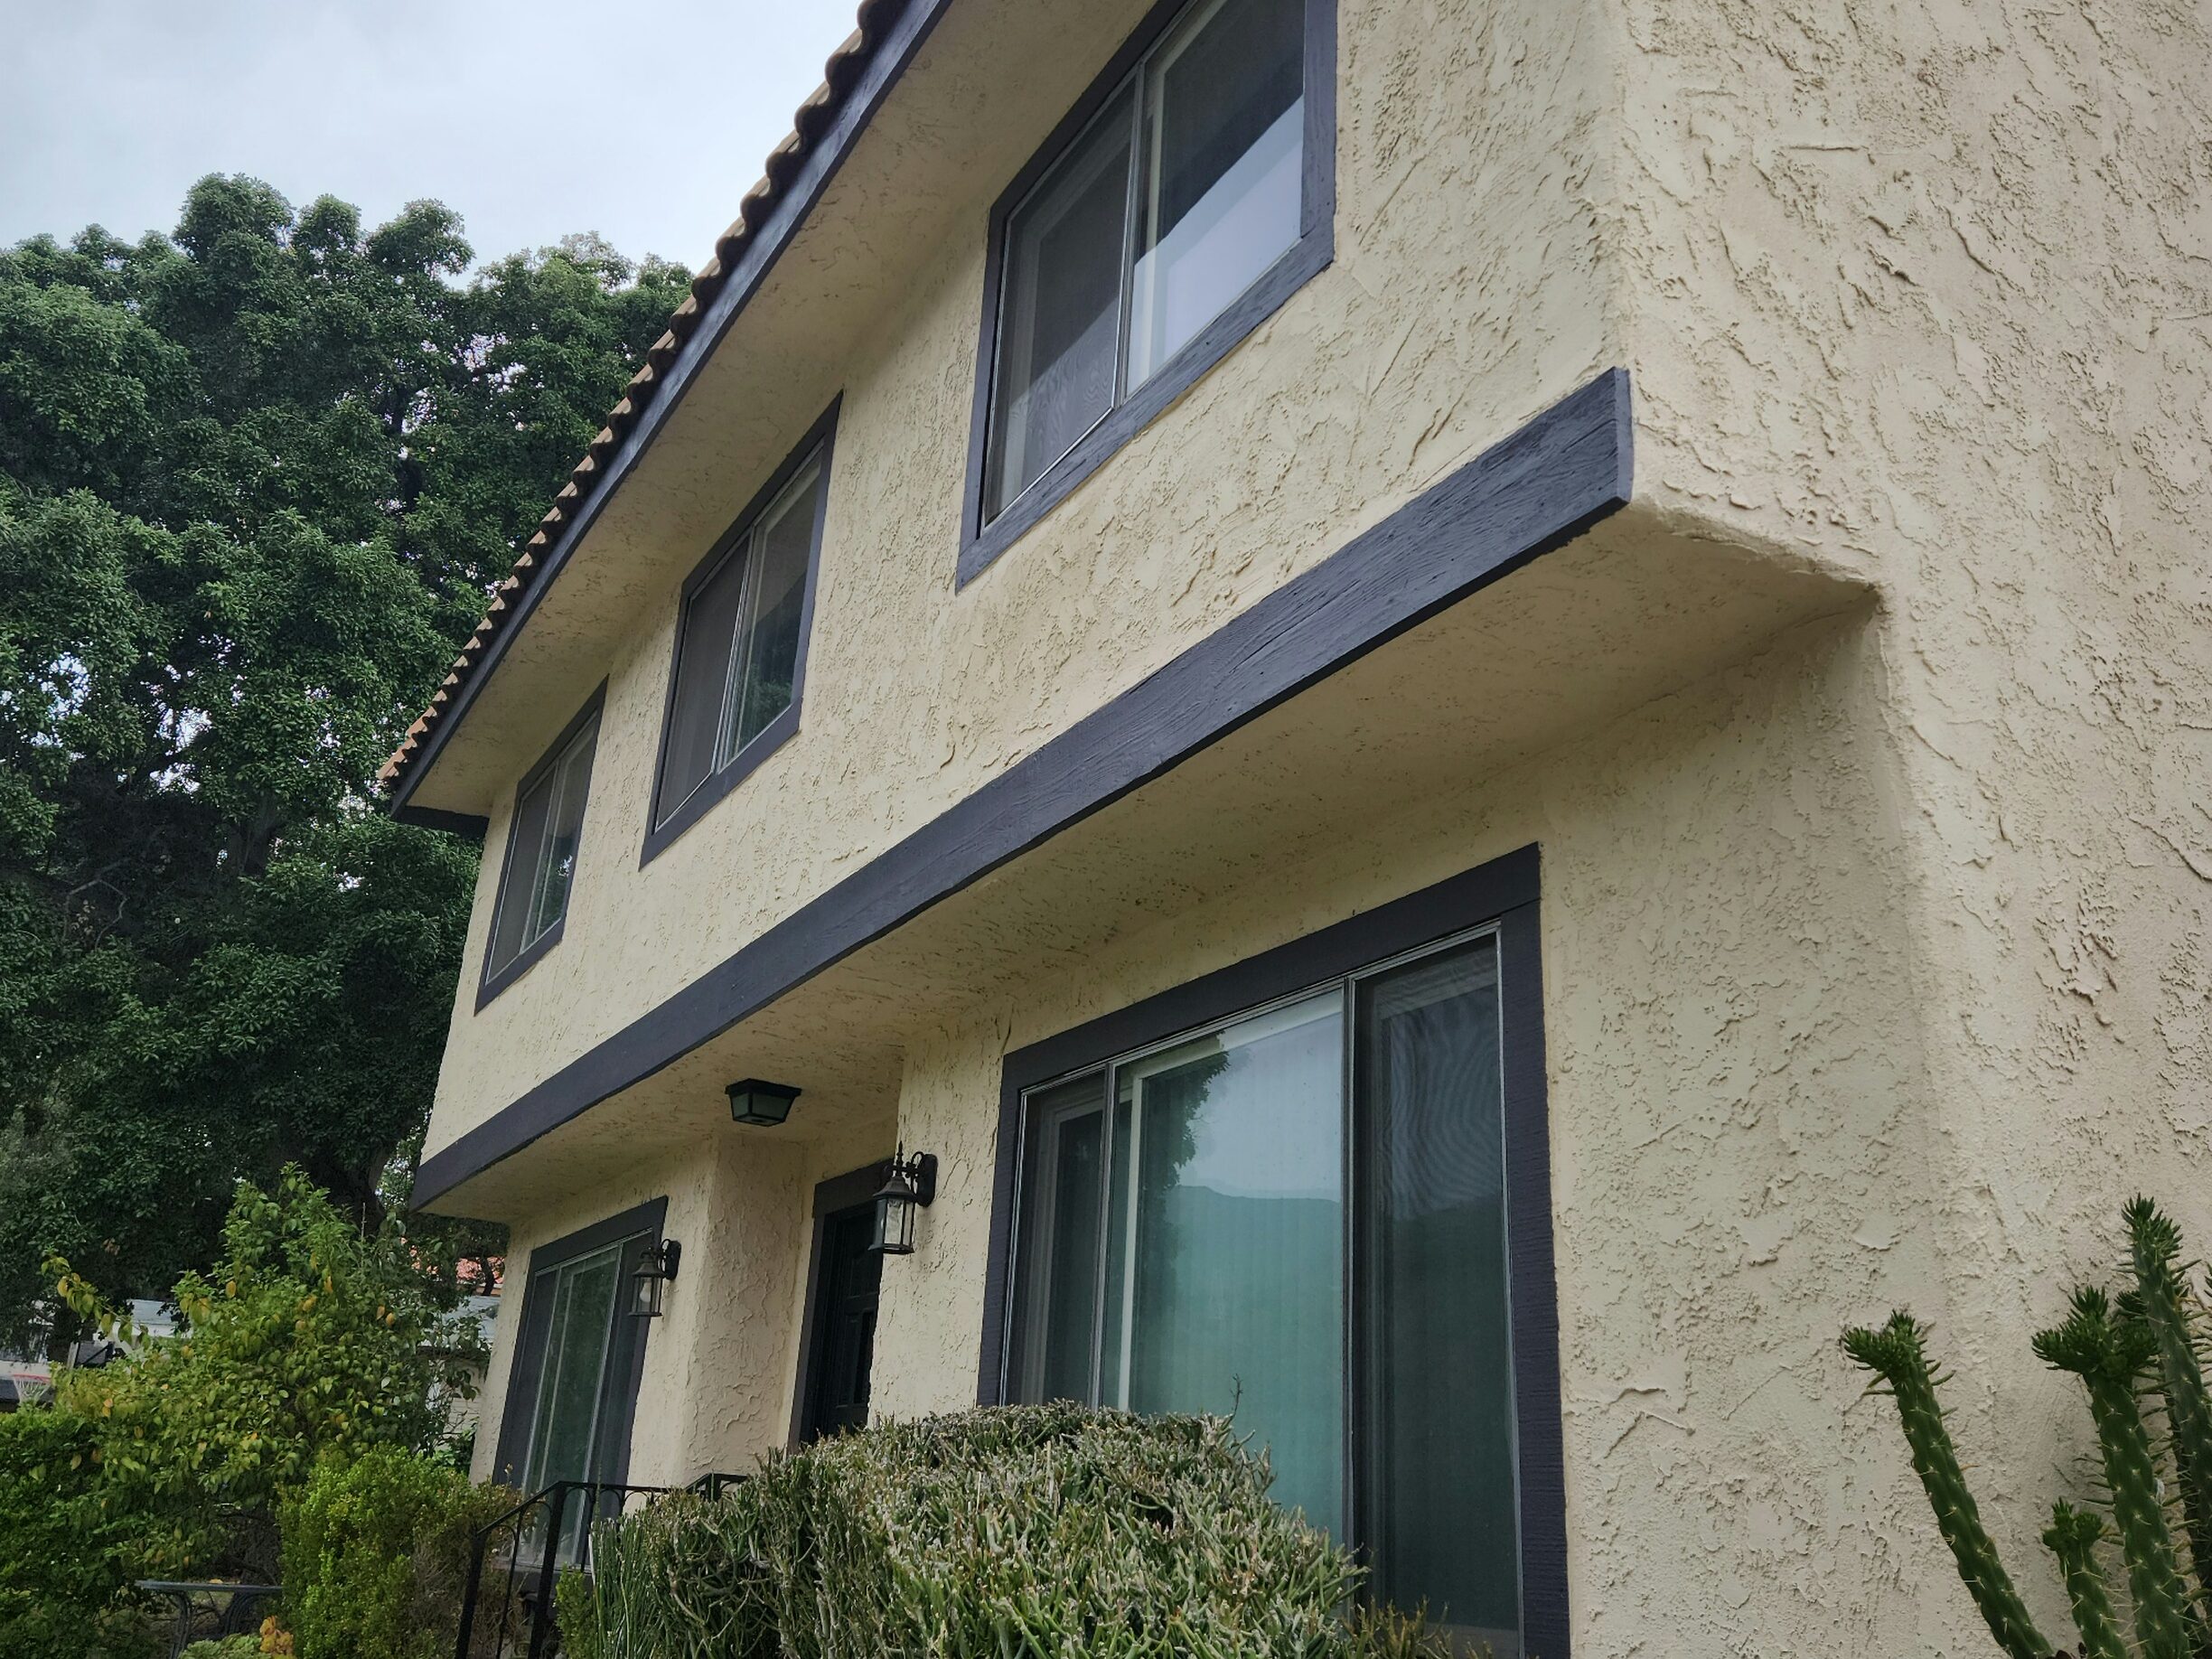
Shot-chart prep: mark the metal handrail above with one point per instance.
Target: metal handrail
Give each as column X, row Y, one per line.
column 535, row 1549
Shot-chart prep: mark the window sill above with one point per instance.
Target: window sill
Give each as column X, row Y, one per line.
column 1299, row 264
column 702, row 799
column 525, row 960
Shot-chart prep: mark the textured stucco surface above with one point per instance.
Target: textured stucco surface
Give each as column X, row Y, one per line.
column 1926, row 287
column 1875, row 954
column 722, row 1360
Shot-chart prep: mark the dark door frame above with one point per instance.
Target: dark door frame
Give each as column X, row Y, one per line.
column 838, row 1193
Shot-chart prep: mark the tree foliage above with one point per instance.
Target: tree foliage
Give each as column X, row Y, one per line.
column 256, row 479
column 307, row 1341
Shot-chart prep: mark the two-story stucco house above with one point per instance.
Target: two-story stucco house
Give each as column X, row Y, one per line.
column 1480, row 711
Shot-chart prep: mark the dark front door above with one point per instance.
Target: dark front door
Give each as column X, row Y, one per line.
column 847, row 1280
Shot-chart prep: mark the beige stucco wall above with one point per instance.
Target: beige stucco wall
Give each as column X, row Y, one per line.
column 1876, row 967
column 1463, row 299
column 1745, row 1156
column 721, row 1362
column 1927, row 287
column 1738, row 1164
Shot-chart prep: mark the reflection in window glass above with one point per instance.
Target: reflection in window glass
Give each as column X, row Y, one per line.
column 1182, row 1232
column 1225, row 126
column 768, row 655
column 1444, row 1520
column 1225, row 1273
column 572, row 1382
column 1102, row 283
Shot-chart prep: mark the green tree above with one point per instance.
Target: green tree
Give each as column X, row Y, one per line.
column 257, row 480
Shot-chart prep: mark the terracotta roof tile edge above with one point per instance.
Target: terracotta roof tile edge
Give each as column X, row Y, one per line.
column 815, row 114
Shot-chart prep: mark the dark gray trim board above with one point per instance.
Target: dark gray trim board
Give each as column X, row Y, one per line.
column 1540, row 488
column 982, row 543
column 627, row 1369
column 1504, row 891
column 467, row 825
column 760, row 251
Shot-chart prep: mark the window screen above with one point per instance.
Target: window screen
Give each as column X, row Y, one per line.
column 739, row 644
column 1175, row 198
column 541, row 850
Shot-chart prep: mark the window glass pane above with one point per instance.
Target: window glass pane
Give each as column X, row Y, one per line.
column 571, row 1382
column 1440, row 1458
column 1057, row 1276
column 565, row 831
column 1061, row 310
column 782, row 548
column 702, row 683
column 1225, row 115
column 510, row 928
column 1228, row 1220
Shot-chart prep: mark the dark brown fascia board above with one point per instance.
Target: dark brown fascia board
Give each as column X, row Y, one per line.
column 1550, row 481
column 762, row 250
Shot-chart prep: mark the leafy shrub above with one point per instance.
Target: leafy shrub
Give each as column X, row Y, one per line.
column 226, row 1647
column 376, row 1553
column 306, row 1340
column 62, row 1554
column 1037, row 1532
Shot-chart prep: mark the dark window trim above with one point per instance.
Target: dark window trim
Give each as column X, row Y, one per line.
column 849, row 1190
column 645, row 1219
column 820, row 438
column 981, row 543
column 1538, row 489
column 1503, row 892
column 492, row 983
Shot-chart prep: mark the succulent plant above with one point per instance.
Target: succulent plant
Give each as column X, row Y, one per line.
column 2147, row 1343
column 1898, row 1354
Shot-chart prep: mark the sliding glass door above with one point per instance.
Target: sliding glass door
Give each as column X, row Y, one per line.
column 1298, row 1218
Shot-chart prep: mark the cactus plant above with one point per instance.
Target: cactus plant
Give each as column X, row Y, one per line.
column 2146, row 1344
column 2109, row 1352
column 2073, row 1536
column 2154, row 1250
column 1898, row 1354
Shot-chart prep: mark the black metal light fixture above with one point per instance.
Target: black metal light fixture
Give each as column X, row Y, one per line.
column 657, row 1265
column 755, row 1101
column 910, row 1183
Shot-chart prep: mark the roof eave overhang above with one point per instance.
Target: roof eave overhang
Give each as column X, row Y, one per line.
column 828, row 127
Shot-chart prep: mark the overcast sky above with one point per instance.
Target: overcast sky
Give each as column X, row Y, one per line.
column 645, row 120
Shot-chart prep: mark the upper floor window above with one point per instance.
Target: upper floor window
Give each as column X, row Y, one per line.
column 542, row 841
column 741, row 644
column 1138, row 249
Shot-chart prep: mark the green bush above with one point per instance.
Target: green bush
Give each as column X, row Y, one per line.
column 226, row 1647
column 376, row 1553
column 1014, row 1533
column 306, row 1340
column 63, row 1554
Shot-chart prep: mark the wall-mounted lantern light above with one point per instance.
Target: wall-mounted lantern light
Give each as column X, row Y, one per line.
column 910, row 1183
column 764, row 1103
column 657, row 1265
